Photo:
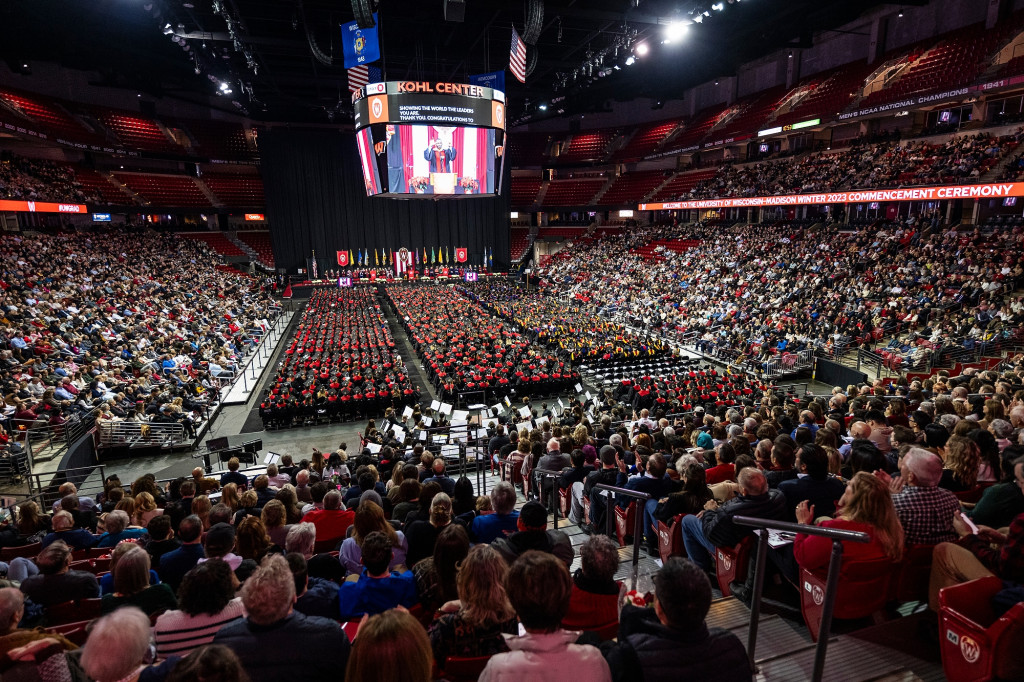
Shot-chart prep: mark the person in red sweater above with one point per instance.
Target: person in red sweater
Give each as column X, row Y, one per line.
column 725, row 471
column 867, row 507
column 333, row 520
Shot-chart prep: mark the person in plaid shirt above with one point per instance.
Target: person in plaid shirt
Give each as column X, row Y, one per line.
column 925, row 510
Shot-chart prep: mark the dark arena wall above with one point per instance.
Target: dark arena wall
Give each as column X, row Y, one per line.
column 316, row 201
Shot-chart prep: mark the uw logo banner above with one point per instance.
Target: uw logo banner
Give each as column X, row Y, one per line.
column 343, row 259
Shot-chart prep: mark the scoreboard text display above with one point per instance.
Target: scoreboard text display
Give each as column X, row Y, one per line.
column 423, row 102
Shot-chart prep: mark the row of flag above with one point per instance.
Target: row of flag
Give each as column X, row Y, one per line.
column 404, row 258
column 364, row 73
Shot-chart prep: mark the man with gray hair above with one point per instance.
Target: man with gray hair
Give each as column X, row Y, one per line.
column 56, row 582
column 714, row 526
column 925, row 510
column 503, row 522
column 267, row 640
column 12, row 609
column 301, row 539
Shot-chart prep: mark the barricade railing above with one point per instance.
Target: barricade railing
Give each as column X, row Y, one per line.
column 131, row 433
column 837, row 536
column 554, row 475
column 638, row 526
column 46, row 493
column 58, row 437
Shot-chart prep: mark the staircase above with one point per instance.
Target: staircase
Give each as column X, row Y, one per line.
column 214, row 199
column 539, row 200
column 596, row 200
column 246, row 249
column 123, row 189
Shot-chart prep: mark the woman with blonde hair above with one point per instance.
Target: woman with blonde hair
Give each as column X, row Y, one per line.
column 201, row 507
column 866, row 506
column 961, row 464
column 473, row 625
column 369, row 518
column 580, row 435
column 145, row 509
column 391, row 647
column 229, row 496
column 275, row 520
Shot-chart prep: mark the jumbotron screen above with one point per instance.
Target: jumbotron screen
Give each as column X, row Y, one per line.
column 425, row 139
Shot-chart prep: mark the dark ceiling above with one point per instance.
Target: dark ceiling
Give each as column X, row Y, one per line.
column 267, row 54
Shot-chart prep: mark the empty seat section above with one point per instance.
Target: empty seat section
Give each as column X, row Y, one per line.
column 524, row 190
column 136, row 131
column 236, row 190
column 217, row 139
column 259, row 241
column 631, row 188
column 588, row 146
column 165, row 190
column 572, row 192
column 48, row 115
column 645, row 141
column 519, row 241
column 682, row 183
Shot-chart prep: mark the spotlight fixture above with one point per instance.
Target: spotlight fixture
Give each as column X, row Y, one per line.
column 168, row 30
column 224, row 86
column 698, row 19
column 718, row 6
column 675, row 31
column 642, row 49
column 900, row 15
column 543, row 107
column 629, row 60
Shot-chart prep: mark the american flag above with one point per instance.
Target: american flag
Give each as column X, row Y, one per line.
column 358, row 76
column 517, row 58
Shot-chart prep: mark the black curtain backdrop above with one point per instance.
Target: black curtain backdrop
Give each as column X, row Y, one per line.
column 316, row 201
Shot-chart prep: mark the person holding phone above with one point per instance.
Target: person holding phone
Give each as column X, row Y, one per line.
column 980, row 551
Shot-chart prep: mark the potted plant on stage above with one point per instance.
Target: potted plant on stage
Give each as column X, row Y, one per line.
column 469, row 185
column 419, row 184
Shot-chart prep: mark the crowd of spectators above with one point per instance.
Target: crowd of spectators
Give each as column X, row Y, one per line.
column 465, row 347
column 748, row 293
column 864, row 165
column 341, row 361
column 42, row 180
column 143, row 329
column 255, row 574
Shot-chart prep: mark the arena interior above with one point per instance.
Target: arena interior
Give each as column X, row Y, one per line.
column 630, row 340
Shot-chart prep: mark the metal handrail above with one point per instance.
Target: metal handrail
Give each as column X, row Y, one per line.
column 549, row 473
column 837, row 535
column 638, row 525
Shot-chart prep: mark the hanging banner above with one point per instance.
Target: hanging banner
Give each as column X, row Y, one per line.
column 461, row 255
column 343, row 259
column 495, row 80
column 359, row 45
column 946, row 192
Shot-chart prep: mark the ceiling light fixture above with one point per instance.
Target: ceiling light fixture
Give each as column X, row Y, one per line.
column 642, row 49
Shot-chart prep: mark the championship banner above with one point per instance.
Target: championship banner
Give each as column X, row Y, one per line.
column 946, row 192
column 343, row 259
column 461, row 255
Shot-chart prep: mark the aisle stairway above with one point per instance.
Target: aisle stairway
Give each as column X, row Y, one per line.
column 405, row 350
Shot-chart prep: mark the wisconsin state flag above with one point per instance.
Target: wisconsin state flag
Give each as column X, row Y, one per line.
column 461, row 254
column 343, row 260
